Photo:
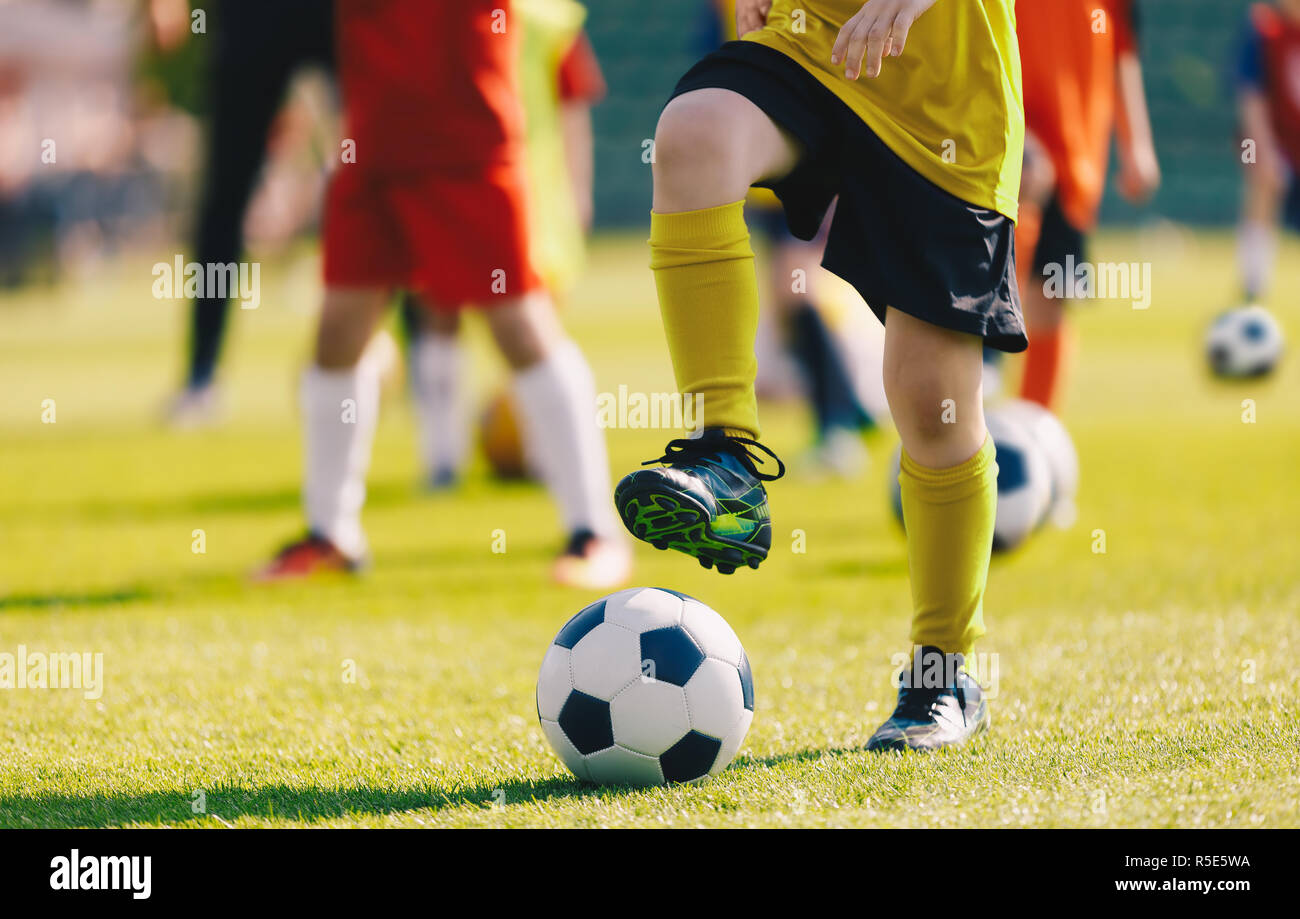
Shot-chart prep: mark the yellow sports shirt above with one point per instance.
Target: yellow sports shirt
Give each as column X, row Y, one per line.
column 950, row 107
column 556, row 237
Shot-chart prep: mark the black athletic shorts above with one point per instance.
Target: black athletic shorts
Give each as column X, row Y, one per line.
column 898, row 238
column 1059, row 241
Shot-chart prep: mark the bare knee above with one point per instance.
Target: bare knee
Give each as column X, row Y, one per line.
column 710, row 146
column 1263, row 191
column 928, row 411
column 525, row 330
column 932, row 380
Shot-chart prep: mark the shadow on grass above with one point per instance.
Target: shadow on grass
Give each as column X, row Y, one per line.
column 315, row 804
column 311, row 804
column 380, row 494
column 797, row 757
column 54, row 601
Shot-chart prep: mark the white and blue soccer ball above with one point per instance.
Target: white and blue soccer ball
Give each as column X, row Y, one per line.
column 643, row 687
column 1024, row 482
column 1058, row 450
column 1244, row 342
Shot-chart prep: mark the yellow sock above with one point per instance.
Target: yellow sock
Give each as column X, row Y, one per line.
column 948, row 514
column 708, row 297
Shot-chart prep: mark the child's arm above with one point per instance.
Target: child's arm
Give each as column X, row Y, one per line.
column 877, row 30
column 1139, row 173
column 575, row 125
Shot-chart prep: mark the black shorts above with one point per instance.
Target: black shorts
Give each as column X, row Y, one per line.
column 1291, row 204
column 1059, row 242
column 898, row 238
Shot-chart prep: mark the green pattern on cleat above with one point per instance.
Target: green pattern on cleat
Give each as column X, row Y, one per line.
column 708, row 502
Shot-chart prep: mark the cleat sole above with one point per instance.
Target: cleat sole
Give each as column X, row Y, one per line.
column 668, row 519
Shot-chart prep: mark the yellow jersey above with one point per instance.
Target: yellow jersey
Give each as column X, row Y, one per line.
column 951, row 106
column 556, row 239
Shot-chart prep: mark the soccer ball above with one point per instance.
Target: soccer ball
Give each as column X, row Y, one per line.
column 1024, row 482
column 643, row 687
column 501, row 440
column 895, row 490
column 1244, row 342
column 1058, row 450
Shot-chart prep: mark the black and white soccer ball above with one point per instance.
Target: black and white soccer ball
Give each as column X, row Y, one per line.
column 1244, row 342
column 1024, row 482
column 1058, row 450
column 643, row 687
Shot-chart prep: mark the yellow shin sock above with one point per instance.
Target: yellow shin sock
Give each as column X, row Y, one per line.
column 949, row 514
column 708, row 297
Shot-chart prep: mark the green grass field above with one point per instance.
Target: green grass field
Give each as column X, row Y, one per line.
column 1152, row 685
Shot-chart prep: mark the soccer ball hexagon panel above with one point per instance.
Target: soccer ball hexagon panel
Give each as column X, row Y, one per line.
column 643, row 687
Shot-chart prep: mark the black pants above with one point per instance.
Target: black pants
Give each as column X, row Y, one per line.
column 258, row 46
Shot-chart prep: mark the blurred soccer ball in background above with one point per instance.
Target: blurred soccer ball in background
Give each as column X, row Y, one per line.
column 1058, row 450
column 1244, row 342
column 501, row 439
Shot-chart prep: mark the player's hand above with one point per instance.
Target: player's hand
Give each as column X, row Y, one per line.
column 878, row 30
column 1139, row 175
column 751, row 15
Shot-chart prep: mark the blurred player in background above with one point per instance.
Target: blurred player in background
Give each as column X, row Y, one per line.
column 1268, row 103
column 433, row 201
column 791, row 282
column 560, row 80
column 257, row 48
column 1082, row 82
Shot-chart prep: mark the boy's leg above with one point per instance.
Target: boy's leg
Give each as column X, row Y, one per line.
column 710, row 146
column 556, row 393
column 1045, row 361
column 948, row 481
column 837, row 411
column 1262, row 196
column 1048, row 358
column 340, row 406
column 437, row 366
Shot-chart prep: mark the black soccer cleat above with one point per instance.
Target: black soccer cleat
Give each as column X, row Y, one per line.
column 940, row 706
column 708, row 501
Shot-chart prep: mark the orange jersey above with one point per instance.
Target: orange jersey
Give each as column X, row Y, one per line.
column 1068, row 53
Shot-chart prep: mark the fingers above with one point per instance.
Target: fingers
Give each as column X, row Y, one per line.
column 877, row 31
column 841, row 46
column 898, row 33
column 877, row 39
column 855, row 36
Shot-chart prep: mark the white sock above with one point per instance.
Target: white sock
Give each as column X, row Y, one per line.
column 557, row 407
column 1255, row 248
column 439, row 404
column 340, row 409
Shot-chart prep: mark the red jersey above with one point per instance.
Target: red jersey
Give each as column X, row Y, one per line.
column 1068, row 54
column 429, row 83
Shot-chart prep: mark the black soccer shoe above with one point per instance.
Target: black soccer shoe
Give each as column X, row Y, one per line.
column 708, row 501
column 934, row 710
